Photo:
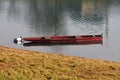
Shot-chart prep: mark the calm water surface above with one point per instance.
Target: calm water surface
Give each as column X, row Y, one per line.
column 63, row 17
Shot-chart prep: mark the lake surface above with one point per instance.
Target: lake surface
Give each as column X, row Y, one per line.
column 63, row 17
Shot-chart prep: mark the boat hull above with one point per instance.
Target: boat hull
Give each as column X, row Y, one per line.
column 85, row 39
column 61, row 43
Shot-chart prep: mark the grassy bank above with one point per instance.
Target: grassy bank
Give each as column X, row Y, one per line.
column 28, row 65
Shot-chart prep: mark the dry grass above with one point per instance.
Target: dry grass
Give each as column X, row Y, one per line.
column 18, row 64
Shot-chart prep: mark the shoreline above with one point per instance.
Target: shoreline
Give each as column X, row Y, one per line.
column 17, row 64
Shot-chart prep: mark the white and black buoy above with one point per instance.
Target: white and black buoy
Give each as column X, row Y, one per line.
column 18, row 40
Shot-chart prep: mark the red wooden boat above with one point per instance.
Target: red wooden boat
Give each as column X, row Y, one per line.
column 82, row 39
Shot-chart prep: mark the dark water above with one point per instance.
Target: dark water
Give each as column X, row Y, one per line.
column 63, row 17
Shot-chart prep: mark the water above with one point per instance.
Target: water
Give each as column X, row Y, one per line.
column 63, row 17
